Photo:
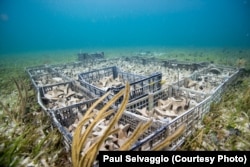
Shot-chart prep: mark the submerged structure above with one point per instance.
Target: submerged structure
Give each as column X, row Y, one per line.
column 170, row 94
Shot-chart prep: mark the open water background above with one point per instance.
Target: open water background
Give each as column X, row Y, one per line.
column 38, row 25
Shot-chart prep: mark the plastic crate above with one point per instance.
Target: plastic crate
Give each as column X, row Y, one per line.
column 72, row 70
column 189, row 118
column 91, row 56
column 64, row 117
column 223, row 72
column 39, row 70
column 212, row 81
column 233, row 77
column 225, row 77
column 217, row 93
column 139, row 85
column 187, row 65
column 145, row 92
column 44, row 102
column 49, row 79
column 59, row 67
column 150, row 101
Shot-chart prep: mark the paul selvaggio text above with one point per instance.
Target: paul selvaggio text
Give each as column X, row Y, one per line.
column 174, row 159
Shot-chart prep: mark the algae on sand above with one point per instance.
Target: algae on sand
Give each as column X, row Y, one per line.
column 26, row 135
column 227, row 125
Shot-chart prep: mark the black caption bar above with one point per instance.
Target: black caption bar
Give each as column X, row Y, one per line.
column 173, row 158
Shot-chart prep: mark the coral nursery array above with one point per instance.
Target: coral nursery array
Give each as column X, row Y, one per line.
column 29, row 137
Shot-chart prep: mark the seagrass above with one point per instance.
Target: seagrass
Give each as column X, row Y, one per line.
column 79, row 141
column 92, row 151
column 100, row 115
column 137, row 132
column 115, row 119
column 18, row 113
column 86, row 158
column 76, row 138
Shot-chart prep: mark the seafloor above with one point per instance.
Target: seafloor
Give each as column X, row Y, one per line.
column 27, row 137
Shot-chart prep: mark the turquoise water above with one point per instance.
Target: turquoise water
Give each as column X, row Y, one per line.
column 37, row 25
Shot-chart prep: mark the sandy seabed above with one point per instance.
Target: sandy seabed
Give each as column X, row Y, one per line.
column 19, row 128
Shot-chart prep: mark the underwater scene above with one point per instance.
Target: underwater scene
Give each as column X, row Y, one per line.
column 79, row 76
